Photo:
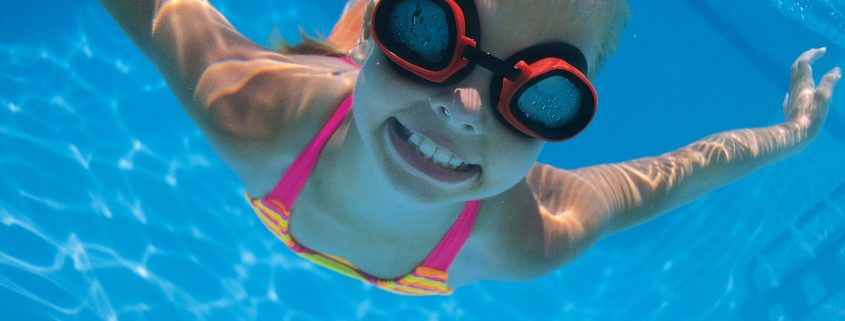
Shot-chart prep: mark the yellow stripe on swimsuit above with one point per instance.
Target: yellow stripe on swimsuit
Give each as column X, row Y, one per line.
column 428, row 278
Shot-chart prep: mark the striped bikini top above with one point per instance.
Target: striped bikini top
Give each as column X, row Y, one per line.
column 428, row 278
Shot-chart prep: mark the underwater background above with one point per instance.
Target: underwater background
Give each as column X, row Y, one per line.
column 113, row 207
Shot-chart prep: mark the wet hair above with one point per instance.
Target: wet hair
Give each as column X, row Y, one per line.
column 607, row 48
column 308, row 46
column 613, row 35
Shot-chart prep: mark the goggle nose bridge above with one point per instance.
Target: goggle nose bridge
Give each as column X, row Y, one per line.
column 490, row 62
column 519, row 68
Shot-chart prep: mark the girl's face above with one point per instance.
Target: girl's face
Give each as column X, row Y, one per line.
column 419, row 133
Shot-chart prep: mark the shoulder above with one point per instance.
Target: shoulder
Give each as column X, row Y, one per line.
column 506, row 243
column 530, row 230
column 265, row 109
column 265, row 95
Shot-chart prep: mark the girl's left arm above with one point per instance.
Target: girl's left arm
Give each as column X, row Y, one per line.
column 553, row 215
column 638, row 190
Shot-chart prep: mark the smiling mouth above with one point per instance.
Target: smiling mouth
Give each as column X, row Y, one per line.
column 428, row 157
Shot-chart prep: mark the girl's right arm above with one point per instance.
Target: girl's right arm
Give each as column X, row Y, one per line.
column 183, row 38
column 248, row 101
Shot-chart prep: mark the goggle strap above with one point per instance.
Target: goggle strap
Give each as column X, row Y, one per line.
column 490, row 62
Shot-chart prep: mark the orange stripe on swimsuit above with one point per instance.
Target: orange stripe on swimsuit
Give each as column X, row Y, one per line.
column 428, row 278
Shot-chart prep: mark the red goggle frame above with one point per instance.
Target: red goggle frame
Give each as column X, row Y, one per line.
column 511, row 77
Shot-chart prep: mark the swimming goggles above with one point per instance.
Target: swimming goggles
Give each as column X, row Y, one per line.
column 541, row 91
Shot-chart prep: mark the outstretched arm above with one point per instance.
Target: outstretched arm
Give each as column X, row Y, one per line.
column 641, row 189
column 181, row 37
column 248, row 101
column 554, row 214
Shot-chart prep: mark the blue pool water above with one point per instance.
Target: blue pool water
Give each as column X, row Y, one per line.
column 113, row 207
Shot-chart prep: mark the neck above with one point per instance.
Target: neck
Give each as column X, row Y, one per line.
column 350, row 184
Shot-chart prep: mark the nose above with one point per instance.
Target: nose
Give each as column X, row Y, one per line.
column 461, row 109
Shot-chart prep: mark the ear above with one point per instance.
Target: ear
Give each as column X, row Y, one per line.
column 368, row 15
column 364, row 46
column 348, row 29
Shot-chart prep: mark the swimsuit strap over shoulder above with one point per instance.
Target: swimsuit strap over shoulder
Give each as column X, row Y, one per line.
column 294, row 179
column 274, row 211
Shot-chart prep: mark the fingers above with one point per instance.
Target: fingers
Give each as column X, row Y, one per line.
column 825, row 90
column 802, row 73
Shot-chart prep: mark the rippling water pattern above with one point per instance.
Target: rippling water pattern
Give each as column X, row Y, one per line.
column 113, row 207
column 825, row 16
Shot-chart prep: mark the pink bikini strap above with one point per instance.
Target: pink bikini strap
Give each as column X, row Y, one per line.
column 445, row 252
column 294, row 179
column 297, row 174
column 349, row 61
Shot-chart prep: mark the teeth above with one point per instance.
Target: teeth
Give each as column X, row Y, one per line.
column 454, row 162
column 442, row 158
column 427, row 148
column 437, row 155
column 415, row 139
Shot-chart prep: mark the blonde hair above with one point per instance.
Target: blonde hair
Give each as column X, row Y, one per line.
column 613, row 35
column 607, row 48
column 308, row 46
column 617, row 15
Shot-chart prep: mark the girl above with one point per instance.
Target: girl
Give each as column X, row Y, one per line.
column 430, row 181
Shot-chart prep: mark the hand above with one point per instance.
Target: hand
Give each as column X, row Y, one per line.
column 806, row 105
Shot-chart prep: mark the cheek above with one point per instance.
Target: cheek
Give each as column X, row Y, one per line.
column 511, row 158
column 381, row 92
column 524, row 153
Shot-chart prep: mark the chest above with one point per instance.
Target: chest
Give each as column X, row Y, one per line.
column 382, row 255
column 310, row 226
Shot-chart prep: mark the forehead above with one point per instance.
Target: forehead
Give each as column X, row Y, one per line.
column 509, row 26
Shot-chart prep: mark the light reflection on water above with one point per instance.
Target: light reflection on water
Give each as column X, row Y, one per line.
column 113, row 207
column 827, row 17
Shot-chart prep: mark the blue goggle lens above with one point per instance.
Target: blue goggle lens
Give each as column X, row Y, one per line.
column 553, row 101
column 421, row 28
